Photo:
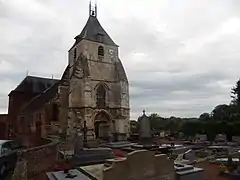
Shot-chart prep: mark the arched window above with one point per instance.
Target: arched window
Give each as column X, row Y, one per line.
column 101, row 96
column 100, row 52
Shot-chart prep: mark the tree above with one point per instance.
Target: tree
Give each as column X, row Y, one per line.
column 191, row 128
column 204, row 117
column 156, row 122
column 236, row 93
column 133, row 126
column 221, row 113
column 210, row 129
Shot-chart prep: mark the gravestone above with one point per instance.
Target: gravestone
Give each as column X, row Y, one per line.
column 145, row 140
column 221, row 138
column 144, row 129
column 86, row 156
column 201, row 137
column 190, row 155
column 90, row 156
column 140, row 165
column 117, row 145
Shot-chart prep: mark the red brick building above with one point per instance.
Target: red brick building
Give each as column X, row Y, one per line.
column 3, row 126
column 23, row 100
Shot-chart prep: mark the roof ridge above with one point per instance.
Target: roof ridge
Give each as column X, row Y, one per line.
column 39, row 77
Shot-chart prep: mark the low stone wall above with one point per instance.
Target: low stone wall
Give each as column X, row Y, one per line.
column 36, row 161
column 20, row 172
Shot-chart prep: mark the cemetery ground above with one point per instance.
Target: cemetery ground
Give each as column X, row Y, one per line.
column 211, row 171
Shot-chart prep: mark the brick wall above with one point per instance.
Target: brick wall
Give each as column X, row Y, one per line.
column 16, row 101
column 3, row 126
column 38, row 161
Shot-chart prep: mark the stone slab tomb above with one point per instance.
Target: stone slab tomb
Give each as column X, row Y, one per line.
column 86, row 156
column 140, row 165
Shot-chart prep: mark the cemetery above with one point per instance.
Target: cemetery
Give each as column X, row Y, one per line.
column 141, row 160
column 146, row 159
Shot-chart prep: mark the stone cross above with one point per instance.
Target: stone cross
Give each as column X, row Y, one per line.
column 84, row 130
column 78, row 144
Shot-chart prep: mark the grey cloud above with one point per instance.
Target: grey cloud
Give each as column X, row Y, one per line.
column 3, row 103
column 180, row 95
column 164, row 80
column 180, row 81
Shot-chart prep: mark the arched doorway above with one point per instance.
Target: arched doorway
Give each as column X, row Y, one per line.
column 102, row 126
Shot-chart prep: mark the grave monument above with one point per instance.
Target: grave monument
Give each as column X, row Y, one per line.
column 145, row 136
column 83, row 155
column 138, row 165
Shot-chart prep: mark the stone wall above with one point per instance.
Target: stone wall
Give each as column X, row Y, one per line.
column 20, row 172
column 34, row 162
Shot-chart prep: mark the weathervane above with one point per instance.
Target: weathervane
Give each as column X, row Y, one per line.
column 93, row 9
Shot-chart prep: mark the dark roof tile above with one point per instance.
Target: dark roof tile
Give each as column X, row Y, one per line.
column 37, row 85
column 91, row 30
column 121, row 74
column 38, row 101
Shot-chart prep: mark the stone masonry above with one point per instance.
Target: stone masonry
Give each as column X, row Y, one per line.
column 93, row 90
column 96, row 86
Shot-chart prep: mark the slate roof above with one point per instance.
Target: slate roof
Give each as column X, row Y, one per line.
column 120, row 71
column 91, row 30
column 38, row 101
column 65, row 76
column 32, row 84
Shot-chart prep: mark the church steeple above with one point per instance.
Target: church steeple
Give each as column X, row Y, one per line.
column 93, row 30
column 92, row 9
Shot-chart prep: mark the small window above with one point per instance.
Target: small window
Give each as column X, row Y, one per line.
column 75, row 53
column 100, row 38
column 100, row 51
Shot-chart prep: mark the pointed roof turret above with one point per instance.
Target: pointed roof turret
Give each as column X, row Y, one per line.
column 93, row 30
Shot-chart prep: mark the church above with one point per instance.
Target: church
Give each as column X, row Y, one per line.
column 93, row 92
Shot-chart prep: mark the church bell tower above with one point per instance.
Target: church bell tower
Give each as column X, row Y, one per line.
column 98, row 85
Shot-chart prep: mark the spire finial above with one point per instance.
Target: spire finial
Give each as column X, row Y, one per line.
column 144, row 112
column 92, row 9
column 96, row 8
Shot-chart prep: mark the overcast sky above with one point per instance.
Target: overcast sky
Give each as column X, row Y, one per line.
column 181, row 56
